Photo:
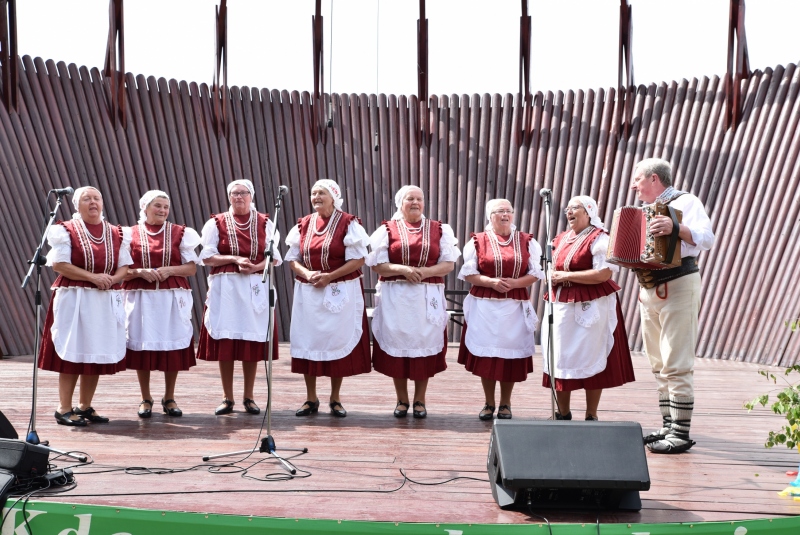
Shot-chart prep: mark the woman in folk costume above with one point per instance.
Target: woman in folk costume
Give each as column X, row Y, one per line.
column 590, row 346
column 236, row 319
column 158, row 300
column 497, row 341
column 412, row 255
column 329, row 333
column 84, row 331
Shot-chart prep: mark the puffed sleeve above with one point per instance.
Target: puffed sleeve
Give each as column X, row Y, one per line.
column 293, row 243
column 599, row 248
column 470, row 266
column 356, row 241
column 60, row 246
column 448, row 245
column 209, row 240
column 125, row 258
column 379, row 245
column 534, row 260
column 189, row 242
column 277, row 236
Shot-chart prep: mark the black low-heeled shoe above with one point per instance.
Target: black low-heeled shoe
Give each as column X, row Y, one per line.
column 504, row 415
column 564, row 417
column 146, row 413
column 64, row 419
column 339, row 413
column 226, row 407
column 489, row 415
column 307, row 408
column 420, row 413
column 401, row 413
column 170, row 411
column 250, row 406
column 90, row 415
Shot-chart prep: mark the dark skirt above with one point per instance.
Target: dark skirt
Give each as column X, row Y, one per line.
column 495, row 368
column 227, row 349
column 618, row 371
column 176, row 360
column 49, row 360
column 355, row 363
column 416, row 368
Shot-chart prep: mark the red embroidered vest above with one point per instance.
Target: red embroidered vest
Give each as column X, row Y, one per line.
column 577, row 256
column 495, row 260
column 325, row 252
column 249, row 242
column 150, row 254
column 91, row 256
column 419, row 248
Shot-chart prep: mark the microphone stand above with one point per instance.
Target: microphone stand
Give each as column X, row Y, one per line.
column 268, row 443
column 548, row 261
column 36, row 262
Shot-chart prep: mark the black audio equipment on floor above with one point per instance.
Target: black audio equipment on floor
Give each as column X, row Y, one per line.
column 23, row 459
column 567, row 464
column 6, row 429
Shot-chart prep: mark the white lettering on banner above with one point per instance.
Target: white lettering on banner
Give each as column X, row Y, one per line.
column 84, row 523
column 11, row 521
column 454, row 531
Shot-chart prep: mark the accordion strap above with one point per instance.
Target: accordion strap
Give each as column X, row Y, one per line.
column 676, row 229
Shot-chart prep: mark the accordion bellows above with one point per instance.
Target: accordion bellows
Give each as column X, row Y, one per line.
column 632, row 245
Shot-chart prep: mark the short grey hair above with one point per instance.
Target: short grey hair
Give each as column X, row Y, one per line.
column 656, row 166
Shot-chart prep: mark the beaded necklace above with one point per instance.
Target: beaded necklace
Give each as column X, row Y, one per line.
column 495, row 244
column 250, row 226
column 86, row 239
column 403, row 231
column 329, row 229
column 166, row 256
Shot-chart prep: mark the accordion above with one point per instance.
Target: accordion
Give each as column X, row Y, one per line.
column 631, row 244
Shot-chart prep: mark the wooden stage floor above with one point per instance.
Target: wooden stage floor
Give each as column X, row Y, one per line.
column 728, row 475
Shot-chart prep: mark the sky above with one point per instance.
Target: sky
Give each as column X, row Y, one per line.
column 370, row 45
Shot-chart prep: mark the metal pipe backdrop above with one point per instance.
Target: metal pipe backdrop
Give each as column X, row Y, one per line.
column 747, row 176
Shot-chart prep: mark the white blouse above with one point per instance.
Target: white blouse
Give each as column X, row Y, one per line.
column 61, row 247
column 470, row 266
column 379, row 243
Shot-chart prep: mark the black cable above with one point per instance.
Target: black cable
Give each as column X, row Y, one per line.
column 530, row 511
column 441, row 482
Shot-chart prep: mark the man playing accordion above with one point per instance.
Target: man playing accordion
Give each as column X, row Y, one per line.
column 669, row 303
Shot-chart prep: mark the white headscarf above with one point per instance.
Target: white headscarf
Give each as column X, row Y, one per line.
column 249, row 185
column 491, row 206
column 146, row 199
column 76, row 200
column 590, row 205
column 333, row 189
column 398, row 200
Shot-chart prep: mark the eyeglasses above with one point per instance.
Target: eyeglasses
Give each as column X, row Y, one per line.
column 240, row 193
column 503, row 212
column 570, row 209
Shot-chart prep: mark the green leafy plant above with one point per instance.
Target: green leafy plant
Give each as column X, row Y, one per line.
column 787, row 403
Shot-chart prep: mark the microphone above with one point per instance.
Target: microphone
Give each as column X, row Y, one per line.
column 282, row 190
column 63, row 191
column 545, row 192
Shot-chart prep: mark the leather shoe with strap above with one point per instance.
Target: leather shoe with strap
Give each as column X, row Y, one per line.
column 170, row 411
column 66, row 419
column 90, row 415
column 250, row 406
column 504, row 415
column 487, row 412
column 307, row 408
column 340, row 412
column 226, row 407
column 148, row 412
column 421, row 412
column 401, row 410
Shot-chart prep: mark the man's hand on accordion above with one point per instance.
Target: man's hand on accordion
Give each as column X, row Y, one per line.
column 661, row 225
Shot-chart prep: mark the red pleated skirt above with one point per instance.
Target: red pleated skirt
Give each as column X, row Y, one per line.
column 49, row 360
column 176, row 360
column 355, row 363
column 238, row 350
column 495, row 368
column 618, row 371
column 416, row 368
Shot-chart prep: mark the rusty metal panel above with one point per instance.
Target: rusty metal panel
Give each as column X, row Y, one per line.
column 749, row 177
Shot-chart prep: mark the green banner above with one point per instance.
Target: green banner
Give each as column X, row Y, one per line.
column 46, row 518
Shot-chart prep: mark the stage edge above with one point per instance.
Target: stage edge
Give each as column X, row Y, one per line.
column 47, row 518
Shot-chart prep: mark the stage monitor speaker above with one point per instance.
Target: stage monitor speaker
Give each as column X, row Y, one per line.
column 6, row 429
column 23, row 459
column 567, row 464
